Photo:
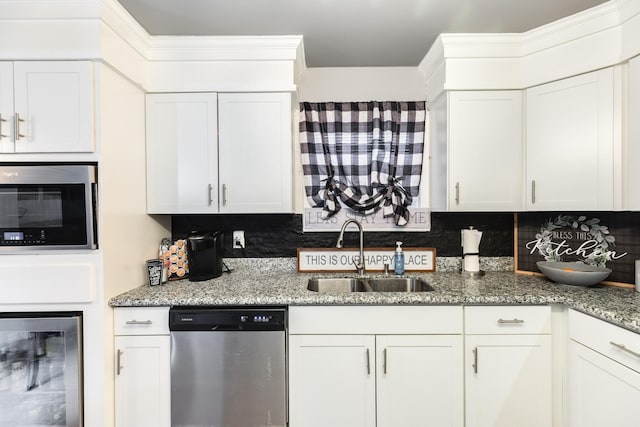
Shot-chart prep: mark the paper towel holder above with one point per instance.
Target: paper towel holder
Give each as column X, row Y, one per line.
column 464, row 272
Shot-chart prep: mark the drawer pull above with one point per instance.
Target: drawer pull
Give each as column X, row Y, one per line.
column 139, row 322
column 625, row 349
column 510, row 321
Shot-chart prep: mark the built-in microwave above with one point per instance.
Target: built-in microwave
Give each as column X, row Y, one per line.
column 48, row 206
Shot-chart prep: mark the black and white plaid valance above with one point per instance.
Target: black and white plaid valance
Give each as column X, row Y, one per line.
column 366, row 154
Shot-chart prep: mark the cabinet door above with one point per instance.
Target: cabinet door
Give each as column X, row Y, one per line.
column 419, row 380
column 508, row 380
column 142, row 381
column 569, row 147
column 602, row 392
column 332, row 381
column 54, row 101
column 632, row 156
column 182, row 154
column 255, row 152
column 485, row 151
column 6, row 107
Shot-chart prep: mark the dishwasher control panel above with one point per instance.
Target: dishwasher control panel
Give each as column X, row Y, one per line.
column 227, row 319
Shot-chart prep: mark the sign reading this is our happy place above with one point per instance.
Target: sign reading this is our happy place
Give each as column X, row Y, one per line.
column 342, row 260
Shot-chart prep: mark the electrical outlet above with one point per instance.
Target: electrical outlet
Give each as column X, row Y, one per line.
column 238, row 240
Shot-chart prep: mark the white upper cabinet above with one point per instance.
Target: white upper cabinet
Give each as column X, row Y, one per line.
column 632, row 157
column 485, row 151
column 182, row 153
column 255, row 152
column 46, row 107
column 6, row 107
column 570, row 143
column 211, row 153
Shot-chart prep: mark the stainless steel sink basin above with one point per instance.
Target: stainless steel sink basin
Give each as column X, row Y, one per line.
column 377, row 284
column 331, row 284
column 399, row 284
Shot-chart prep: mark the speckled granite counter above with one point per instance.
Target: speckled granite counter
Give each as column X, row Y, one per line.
column 275, row 282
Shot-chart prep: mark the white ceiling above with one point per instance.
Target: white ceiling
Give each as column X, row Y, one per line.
column 351, row 33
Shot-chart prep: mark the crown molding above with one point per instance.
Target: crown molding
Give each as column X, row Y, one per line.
column 223, row 48
column 520, row 60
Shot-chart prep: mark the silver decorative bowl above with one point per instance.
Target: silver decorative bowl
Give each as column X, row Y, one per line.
column 573, row 273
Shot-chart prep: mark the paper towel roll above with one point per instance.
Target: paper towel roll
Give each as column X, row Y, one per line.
column 470, row 249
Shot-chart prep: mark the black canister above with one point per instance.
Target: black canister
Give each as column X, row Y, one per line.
column 204, row 251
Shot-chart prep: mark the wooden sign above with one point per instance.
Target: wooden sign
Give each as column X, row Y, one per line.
column 606, row 239
column 419, row 220
column 342, row 260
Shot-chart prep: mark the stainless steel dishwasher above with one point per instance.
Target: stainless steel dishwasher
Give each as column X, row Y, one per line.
column 228, row 367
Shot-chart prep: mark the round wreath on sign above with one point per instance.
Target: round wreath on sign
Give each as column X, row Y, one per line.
column 599, row 254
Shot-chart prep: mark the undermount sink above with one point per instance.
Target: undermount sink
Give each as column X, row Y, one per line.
column 377, row 284
column 332, row 284
column 399, row 284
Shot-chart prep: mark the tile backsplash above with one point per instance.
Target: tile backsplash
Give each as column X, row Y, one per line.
column 280, row 235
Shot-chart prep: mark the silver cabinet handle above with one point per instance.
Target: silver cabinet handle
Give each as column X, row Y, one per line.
column 118, row 360
column 224, row 194
column 475, row 360
column 210, row 198
column 510, row 321
column 533, row 191
column 625, row 349
column 457, row 193
column 368, row 362
column 139, row 322
column 18, row 121
column 1, row 121
column 384, row 361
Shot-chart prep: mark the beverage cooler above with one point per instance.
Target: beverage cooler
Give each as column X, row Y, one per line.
column 40, row 369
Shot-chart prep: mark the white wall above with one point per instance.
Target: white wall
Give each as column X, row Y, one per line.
column 362, row 84
column 128, row 235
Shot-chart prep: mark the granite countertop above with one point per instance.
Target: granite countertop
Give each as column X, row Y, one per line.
column 275, row 282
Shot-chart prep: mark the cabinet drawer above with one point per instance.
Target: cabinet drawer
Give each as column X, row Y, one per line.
column 507, row 319
column 615, row 342
column 141, row 321
column 341, row 320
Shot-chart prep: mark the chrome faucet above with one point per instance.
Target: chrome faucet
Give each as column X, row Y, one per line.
column 360, row 264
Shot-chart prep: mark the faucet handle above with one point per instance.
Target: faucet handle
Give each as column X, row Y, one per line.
column 386, row 269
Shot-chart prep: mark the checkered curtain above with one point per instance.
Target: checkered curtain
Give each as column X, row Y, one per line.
column 367, row 155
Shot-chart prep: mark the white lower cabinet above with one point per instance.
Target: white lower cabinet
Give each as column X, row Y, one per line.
column 375, row 366
column 142, row 367
column 508, row 366
column 604, row 373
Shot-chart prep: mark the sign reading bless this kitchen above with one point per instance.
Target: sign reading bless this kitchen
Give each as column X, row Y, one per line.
column 342, row 260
